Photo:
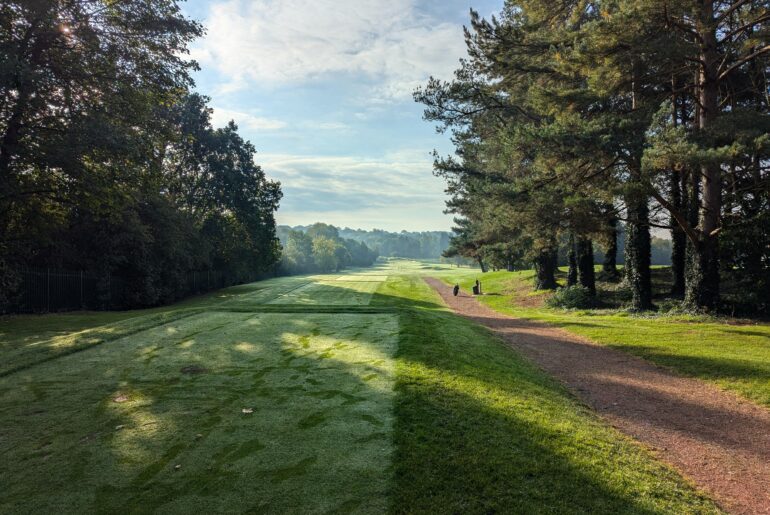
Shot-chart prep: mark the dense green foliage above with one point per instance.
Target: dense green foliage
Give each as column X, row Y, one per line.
column 570, row 118
column 366, row 395
column 319, row 248
column 108, row 163
column 572, row 297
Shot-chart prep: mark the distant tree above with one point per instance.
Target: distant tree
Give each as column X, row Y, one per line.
column 325, row 253
column 298, row 252
column 323, row 230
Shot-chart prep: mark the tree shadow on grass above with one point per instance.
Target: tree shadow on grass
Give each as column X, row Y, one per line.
column 713, row 368
column 741, row 332
column 480, row 431
column 575, row 362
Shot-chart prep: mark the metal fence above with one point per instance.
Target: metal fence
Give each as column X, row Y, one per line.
column 50, row 290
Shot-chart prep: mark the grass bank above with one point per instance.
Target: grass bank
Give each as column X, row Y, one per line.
column 732, row 355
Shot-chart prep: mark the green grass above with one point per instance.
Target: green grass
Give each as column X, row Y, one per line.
column 385, row 403
column 734, row 356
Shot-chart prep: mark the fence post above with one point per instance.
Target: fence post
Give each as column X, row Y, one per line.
column 48, row 290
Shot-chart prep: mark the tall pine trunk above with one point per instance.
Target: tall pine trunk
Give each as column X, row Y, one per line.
column 637, row 252
column 585, row 259
column 610, row 264
column 702, row 289
column 545, row 269
column 572, row 273
column 678, row 236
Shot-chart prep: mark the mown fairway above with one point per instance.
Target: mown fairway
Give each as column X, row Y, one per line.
column 353, row 392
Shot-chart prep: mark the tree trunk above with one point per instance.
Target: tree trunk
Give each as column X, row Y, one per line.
column 678, row 236
column 702, row 289
column 482, row 265
column 585, row 258
column 545, row 270
column 572, row 274
column 609, row 266
column 637, row 253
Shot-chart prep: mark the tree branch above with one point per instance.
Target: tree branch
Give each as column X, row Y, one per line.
column 743, row 61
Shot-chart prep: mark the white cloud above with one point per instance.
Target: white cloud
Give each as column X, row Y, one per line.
column 221, row 117
column 326, row 126
column 294, row 41
column 405, row 175
column 396, row 191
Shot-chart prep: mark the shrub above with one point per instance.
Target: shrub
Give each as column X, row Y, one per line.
column 572, row 297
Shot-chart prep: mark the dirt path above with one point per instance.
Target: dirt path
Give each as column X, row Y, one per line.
column 715, row 438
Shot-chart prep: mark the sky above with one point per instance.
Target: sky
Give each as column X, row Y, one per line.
column 323, row 89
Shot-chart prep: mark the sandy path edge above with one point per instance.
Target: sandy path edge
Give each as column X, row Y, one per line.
column 718, row 440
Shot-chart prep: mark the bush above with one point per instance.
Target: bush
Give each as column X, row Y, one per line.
column 572, row 297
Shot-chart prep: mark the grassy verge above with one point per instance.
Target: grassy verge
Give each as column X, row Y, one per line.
column 480, row 430
column 735, row 357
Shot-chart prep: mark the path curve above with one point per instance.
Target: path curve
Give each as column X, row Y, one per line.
column 717, row 439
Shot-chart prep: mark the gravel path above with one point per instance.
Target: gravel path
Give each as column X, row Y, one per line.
column 718, row 440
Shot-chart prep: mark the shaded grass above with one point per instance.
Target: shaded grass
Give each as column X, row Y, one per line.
column 28, row 340
column 732, row 356
column 480, row 430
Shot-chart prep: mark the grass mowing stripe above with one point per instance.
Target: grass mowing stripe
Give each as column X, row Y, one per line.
column 59, row 347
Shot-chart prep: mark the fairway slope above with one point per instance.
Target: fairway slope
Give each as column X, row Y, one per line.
column 353, row 392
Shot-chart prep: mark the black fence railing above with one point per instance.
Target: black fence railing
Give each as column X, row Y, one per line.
column 51, row 290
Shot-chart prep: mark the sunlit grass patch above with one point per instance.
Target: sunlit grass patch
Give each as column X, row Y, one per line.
column 330, row 293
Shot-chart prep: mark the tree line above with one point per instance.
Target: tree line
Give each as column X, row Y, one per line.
column 320, row 248
column 572, row 119
column 405, row 244
column 109, row 161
